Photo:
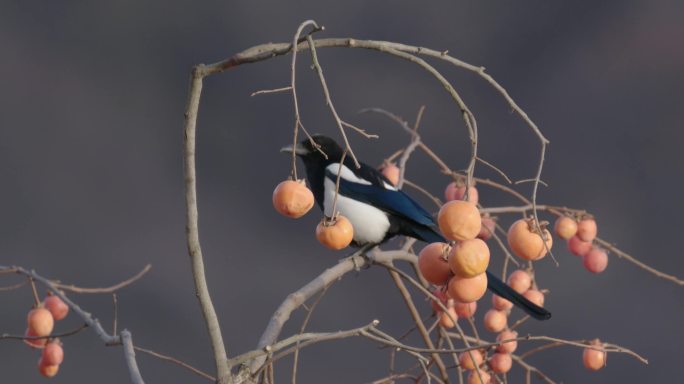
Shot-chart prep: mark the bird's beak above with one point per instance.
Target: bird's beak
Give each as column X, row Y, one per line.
column 297, row 149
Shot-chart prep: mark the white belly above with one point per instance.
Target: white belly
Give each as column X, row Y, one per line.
column 370, row 224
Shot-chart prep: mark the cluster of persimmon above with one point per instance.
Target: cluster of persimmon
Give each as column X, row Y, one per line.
column 294, row 199
column 457, row 268
column 580, row 234
column 40, row 323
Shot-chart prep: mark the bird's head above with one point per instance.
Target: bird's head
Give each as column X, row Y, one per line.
column 319, row 149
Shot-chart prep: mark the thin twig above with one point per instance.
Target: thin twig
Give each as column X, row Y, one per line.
column 268, row 91
column 610, row 247
column 36, row 299
column 13, row 287
column 422, row 190
column 309, row 312
column 52, row 336
column 116, row 313
column 113, row 288
column 495, row 168
column 177, row 362
column 328, row 100
column 418, row 321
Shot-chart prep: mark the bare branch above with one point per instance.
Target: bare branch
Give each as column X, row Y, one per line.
column 7, row 336
column 192, row 229
column 177, row 362
column 129, row 354
column 113, row 288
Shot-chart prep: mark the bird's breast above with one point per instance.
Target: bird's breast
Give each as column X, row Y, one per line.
column 370, row 223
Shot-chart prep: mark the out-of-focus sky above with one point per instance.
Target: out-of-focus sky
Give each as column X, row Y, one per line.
column 91, row 109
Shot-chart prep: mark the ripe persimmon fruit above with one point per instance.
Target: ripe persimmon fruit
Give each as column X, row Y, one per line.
column 578, row 247
column 46, row 369
column 391, row 172
column 594, row 359
column 459, row 220
column 53, row 354
column 470, row 359
column 456, row 191
column 56, row 306
column 526, row 242
column 481, row 378
column 433, row 264
column 34, row 343
column 565, row 227
column 292, row 198
column 467, row 289
column 469, row 258
column 520, row 280
column 501, row 304
column 40, row 321
column 508, row 346
column 448, row 318
column 596, row 260
column 335, row 234
column 587, row 229
column 501, row 362
column 535, row 296
column 465, row 310
column 488, row 227
column 495, row 321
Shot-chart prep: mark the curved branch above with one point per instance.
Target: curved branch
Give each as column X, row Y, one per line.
column 113, row 288
column 327, row 277
column 192, row 230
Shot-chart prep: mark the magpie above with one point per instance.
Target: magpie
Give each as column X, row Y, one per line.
column 376, row 209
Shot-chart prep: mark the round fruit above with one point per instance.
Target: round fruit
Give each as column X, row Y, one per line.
column 465, row 310
column 469, row 258
column 482, row 378
column 467, row 289
column 520, row 280
column 501, row 304
column 592, row 358
column 433, row 264
column 391, row 172
column 470, row 359
column 56, row 306
column 526, row 243
column 459, row 220
column 335, row 235
column 509, row 346
column 501, row 362
column 596, row 260
column 292, row 198
column 34, row 343
column 488, row 228
column 47, row 370
column 53, row 354
column 457, row 192
column 442, row 296
column 566, row 227
column 578, row 247
column 587, row 229
column 40, row 321
column 535, row 296
column 495, row 321
column 448, row 318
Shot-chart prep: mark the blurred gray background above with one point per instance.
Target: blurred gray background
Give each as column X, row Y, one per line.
column 91, row 110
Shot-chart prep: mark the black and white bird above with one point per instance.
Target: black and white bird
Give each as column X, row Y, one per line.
column 376, row 209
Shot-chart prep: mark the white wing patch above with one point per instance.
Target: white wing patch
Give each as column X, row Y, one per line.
column 346, row 174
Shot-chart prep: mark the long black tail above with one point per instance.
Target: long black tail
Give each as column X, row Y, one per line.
column 498, row 287
column 494, row 284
